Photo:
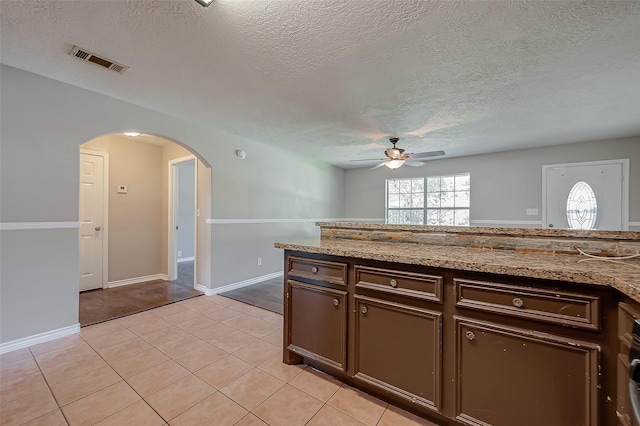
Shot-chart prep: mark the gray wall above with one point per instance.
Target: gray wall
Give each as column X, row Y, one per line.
column 38, row 281
column 43, row 122
column 268, row 184
column 503, row 185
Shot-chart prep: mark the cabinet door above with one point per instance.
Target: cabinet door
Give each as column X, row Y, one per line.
column 317, row 321
column 628, row 312
column 508, row 376
column 398, row 347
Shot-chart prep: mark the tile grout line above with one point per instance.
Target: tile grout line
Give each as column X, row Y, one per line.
column 124, row 380
column 48, row 387
column 172, row 359
column 192, row 373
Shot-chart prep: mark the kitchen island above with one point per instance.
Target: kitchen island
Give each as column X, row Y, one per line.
column 468, row 325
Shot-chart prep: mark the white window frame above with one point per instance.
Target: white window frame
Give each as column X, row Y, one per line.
column 424, row 208
column 387, row 208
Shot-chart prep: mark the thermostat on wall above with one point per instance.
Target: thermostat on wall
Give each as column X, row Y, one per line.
column 122, row 189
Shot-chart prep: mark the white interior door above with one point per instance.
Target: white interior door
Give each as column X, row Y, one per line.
column 92, row 221
column 606, row 183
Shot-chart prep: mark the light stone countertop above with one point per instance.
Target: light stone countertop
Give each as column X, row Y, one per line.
column 563, row 267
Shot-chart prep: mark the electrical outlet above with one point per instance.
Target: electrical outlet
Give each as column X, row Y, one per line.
column 179, row 253
column 532, row 212
column 259, row 261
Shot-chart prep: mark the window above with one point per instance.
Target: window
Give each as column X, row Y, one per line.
column 582, row 207
column 433, row 200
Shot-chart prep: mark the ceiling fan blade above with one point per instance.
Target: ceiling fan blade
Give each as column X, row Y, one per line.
column 375, row 167
column 429, row 154
column 413, row 163
column 370, row 159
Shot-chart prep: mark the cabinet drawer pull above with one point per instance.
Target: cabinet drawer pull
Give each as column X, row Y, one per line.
column 470, row 335
column 364, row 309
column 394, row 283
column 336, row 302
column 517, row 302
column 314, row 269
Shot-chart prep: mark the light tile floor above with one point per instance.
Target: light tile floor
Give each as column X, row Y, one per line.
column 203, row 361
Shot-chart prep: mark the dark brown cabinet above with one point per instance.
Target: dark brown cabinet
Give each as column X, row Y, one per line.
column 317, row 323
column 512, row 376
column 399, row 348
column 628, row 312
column 462, row 348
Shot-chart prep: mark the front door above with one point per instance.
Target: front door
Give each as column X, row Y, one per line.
column 584, row 195
column 91, row 221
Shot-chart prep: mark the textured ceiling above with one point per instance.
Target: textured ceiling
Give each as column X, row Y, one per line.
column 333, row 79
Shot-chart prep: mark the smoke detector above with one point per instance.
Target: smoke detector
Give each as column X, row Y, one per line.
column 85, row 55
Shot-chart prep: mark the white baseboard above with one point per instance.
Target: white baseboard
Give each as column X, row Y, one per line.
column 137, row 280
column 203, row 289
column 185, row 259
column 38, row 338
column 234, row 286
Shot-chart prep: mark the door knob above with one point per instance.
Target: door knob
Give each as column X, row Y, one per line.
column 97, row 228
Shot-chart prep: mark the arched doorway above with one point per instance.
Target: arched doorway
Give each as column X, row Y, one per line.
column 133, row 272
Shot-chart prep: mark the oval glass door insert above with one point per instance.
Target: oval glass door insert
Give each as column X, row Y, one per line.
column 582, row 208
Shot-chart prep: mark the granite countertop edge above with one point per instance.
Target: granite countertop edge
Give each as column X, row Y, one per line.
column 561, row 267
column 483, row 230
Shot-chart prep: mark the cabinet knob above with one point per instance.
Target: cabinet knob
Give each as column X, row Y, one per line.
column 336, row 302
column 394, row 283
column 364, row 309
column 470, row 335
column 517, row 302
column 314, row 269
column 97, row 228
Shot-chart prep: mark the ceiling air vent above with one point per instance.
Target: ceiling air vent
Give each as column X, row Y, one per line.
column 85, row 55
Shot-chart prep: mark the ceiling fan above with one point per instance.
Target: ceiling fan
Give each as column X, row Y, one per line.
column 396, row 157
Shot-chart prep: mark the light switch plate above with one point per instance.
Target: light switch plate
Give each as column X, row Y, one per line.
column 122, row 189
column 532, row 212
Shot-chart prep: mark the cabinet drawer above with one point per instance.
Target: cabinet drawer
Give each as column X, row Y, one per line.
column 568, row 309
column 410, row 284
column 318, row 270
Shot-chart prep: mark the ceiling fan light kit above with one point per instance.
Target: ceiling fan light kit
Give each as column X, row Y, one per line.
column 394, row 164
column 205, row 3
column 397, row 158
